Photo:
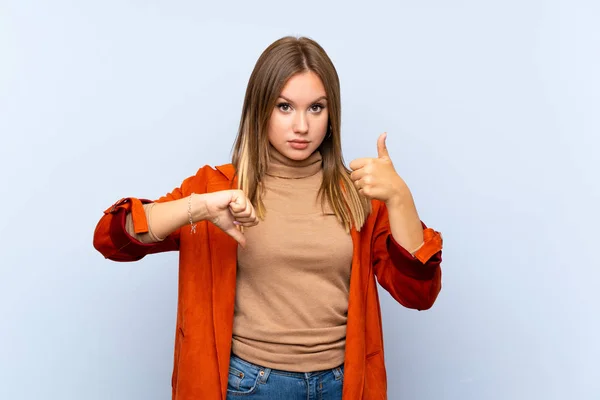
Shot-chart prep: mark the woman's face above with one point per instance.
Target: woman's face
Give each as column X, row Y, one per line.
column 299, row 121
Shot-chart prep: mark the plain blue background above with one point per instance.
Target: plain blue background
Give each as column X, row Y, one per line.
column 492, row 109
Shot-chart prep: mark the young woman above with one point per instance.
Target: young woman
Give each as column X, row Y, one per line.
column 279, row 250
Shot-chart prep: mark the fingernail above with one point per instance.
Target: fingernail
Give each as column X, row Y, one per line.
column 237, row 223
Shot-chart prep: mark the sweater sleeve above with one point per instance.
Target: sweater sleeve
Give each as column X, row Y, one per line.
column 412, row 280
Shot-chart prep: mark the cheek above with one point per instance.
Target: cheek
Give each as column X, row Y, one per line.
column 277, row 126
column 320, row 124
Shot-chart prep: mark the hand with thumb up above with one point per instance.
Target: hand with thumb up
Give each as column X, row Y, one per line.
column 376, row 178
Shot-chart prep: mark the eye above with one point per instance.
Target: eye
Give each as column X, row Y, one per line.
column 285, row 107
column 317, row 108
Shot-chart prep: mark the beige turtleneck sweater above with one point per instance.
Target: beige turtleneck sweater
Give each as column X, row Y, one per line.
column 294, row 275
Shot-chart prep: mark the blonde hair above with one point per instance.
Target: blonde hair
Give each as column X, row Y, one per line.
column 276, row 65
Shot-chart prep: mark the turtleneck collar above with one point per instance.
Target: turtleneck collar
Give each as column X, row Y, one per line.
column 282, row 167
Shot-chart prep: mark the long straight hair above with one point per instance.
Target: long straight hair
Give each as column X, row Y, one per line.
column 277, row 64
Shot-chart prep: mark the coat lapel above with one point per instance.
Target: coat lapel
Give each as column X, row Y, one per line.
column 223, row 255
column 355, row 343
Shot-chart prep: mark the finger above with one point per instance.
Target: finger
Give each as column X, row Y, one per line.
column 237, row 235
column 366, row 191
column 359, row 184
column 235, row 208
column 238, row 204
column 245, row 219
column 359, row 163
column 382, row 150
column 358, row 174
column 246, row 224
column 245, row 213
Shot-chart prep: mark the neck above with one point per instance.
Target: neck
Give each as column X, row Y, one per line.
column 281, row 166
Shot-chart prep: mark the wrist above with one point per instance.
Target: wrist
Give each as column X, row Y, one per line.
column 199, row 210
column 399, row 199
column 400, row 195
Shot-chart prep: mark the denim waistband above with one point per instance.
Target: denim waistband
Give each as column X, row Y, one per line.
column 337, row 371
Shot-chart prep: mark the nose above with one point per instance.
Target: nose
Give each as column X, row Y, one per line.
column 300, row 123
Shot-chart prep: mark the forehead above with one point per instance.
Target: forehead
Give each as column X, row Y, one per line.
column 304, row 87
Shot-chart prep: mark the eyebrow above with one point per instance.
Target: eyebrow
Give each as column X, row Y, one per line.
column 314, row 101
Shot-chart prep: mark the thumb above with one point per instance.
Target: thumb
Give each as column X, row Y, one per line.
column 381, row 147
column 237, row 235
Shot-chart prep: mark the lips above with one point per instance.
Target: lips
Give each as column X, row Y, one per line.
column 298, row 144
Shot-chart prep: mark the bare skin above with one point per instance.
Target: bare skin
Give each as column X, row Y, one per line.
column 297, row 127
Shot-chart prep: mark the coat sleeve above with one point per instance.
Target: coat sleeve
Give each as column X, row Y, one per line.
column 113, row 241
column 413, row 281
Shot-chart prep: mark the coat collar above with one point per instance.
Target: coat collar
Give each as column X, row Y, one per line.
column 228, row 170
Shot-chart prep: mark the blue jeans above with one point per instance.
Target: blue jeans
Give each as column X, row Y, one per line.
column 259, row 383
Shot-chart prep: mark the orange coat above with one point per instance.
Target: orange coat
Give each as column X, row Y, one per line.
column 207, row 282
